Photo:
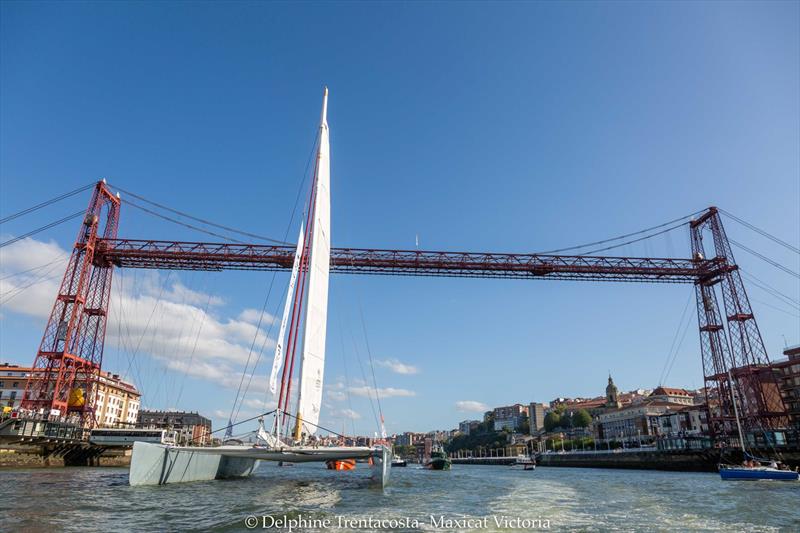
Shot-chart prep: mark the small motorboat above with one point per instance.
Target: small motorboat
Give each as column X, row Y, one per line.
column 524, row 463
column 398, row 461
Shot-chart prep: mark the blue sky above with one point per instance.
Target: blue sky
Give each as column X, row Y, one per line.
column 513, row 127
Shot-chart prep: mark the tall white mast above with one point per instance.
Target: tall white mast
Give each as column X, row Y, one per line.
column 316, row 309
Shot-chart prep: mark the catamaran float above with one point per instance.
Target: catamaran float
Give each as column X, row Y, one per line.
column 158, row 464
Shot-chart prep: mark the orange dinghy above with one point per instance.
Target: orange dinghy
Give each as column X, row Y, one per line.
column 341, row 464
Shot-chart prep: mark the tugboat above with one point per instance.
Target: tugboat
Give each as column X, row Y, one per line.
column 438, row 460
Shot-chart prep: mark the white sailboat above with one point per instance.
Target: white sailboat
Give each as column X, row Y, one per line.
column 157, row 464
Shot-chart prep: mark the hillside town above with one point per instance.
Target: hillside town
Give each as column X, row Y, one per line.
column 664, row 418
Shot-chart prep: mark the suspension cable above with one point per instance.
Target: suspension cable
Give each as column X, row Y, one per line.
column 604, row 241
column 197, row 219
column 41, row 229
column 46, row 203
column 765, row 258
column 619, row 245
column 761, row 231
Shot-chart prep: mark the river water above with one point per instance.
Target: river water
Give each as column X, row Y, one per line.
column 555, row 499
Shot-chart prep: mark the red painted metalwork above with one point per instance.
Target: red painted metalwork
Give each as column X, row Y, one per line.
column 70, row 356
column 173, row 255
column 738, row 348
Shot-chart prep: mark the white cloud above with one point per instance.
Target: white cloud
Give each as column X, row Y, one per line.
column 336, row 396
column 149, row 312
column 398, row 367
column 471, row 406
column 349, row 413
column 251, row 316
column 389, row 392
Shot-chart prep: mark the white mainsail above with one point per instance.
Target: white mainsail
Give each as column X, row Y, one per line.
column 279, row 351
column 316, row 315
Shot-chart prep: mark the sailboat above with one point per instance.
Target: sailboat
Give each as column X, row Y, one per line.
column 158, row 464
column 753, row 467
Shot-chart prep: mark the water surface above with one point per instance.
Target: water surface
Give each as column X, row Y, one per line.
column 87, row 499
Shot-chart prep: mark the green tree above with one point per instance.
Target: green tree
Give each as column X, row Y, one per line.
column 525, row 425
column 552, row 420
column 581, row 419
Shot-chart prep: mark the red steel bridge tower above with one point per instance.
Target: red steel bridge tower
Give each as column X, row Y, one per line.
column 735, row 361
column 70, row 356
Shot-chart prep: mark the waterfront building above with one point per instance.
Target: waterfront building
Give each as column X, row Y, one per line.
column 187, row 428
column 509, row 416
column 536, row 412
column 691, row 420
column 13, row 379
column 670, row 395
column 117, row 402
column 788, row 371
column 466, row 426
column 632, row 421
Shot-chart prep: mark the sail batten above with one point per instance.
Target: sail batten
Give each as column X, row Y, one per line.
column 316, row 306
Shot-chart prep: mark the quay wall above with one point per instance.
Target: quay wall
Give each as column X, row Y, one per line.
column 42, row 457
column 681, row 461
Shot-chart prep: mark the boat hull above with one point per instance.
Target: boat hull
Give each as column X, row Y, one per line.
column 156, row 464
column 757, row 474
column 438, row 464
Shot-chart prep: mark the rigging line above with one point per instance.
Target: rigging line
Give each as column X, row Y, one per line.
column 181, row 337
column 371, row 364
column 346, row 375
column 661, row 376
column 765, row 258
column 332, row 432
column 680, row 344
column 604, row 241
column 194, row 348
column 364, row 376
column 223, row 428
column 298, row 303
column 269, row 291
column 250, row 354
column 761, row 231
column 632, row 240
column 258, row 360
column 202, row 221
column 43, row 228
column 46, row 203
column 180, row 223
column 769, row 289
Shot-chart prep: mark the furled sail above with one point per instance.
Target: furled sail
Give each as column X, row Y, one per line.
column 316, row 308
column 279, row 347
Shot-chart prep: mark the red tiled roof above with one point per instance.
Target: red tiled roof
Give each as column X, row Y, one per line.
column 667, row 391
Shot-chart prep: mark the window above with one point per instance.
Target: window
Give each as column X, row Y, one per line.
column 2, row 383
column 15, row 385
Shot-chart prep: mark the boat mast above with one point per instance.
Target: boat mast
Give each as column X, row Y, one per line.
column 316, row 312
column 736, row 411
